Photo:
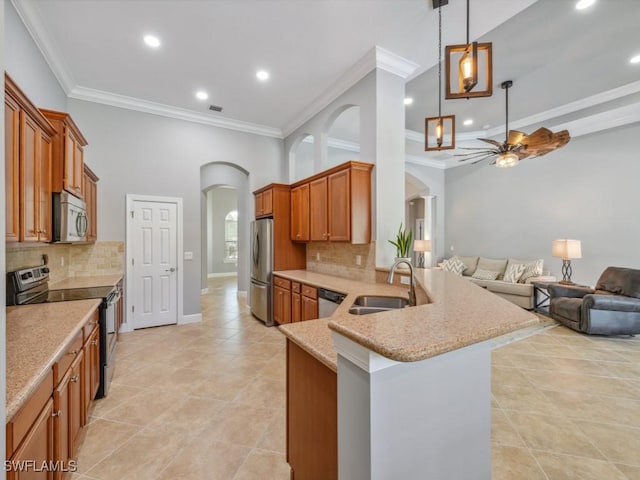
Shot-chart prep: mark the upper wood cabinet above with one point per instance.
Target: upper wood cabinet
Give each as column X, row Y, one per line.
column 68, row 153
column 300, row 213
column 339, row 204
column 264, row 203
column 90, row 193
column 28, row 144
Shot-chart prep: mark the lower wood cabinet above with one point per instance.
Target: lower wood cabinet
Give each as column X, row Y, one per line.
column 312, row 417
column 309, row 303
column 47, row 428
column 293, row 301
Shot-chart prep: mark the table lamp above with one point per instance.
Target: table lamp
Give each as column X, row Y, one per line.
column 421, row 246
column 566, row 249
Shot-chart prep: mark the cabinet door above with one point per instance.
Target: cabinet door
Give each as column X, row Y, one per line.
column 44, row 189
column 296, row 307
column 75, row 406
column 281, row 305
column 37, row 447
column 12, row 169
column 69, row 166
column 29, row 165
column 90, row 372
column 78, row 168
column 300, row 213
column 339, row 206
column 318, row 210
column 61, row 421
column 258, row 204
column 89, row 188
column 309, row 308
column 267, row 202
column 94, row 363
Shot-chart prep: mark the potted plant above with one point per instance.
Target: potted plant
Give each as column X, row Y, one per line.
column 403, row 243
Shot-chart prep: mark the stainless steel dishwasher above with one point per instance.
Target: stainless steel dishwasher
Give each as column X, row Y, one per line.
column 328, row 301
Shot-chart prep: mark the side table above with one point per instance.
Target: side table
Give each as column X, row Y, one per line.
column 541, row 294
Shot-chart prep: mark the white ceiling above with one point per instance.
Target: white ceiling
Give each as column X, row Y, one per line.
column 570, row 68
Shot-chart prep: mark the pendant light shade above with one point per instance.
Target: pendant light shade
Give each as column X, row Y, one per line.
column 468, row 69
column 439, row 132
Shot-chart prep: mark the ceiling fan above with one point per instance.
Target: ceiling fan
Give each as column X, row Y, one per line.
column 517, row 145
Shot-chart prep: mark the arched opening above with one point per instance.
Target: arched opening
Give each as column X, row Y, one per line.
column 420, row 214
column 343, row 135
column 225, row 189
column 301, row 158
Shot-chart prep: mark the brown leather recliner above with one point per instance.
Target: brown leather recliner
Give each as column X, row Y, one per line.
column 613, row 308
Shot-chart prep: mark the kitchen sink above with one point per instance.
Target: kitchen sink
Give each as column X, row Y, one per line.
column 366, row 304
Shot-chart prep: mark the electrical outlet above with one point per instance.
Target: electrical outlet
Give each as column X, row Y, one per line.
column 317, row 256
column 451, row 248
column 188, row 255
column 405, row 280
column 358, row 259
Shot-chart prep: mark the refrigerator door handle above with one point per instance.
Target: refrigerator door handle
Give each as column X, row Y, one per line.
column 256, row 249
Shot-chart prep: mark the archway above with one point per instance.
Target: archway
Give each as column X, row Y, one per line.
column 301, row 157
column 420, row 214
column 343, row 136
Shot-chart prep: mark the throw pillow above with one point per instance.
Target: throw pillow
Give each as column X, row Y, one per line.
column 485, row 274
column 532, row 269
column 513, row 272
column 454, row 265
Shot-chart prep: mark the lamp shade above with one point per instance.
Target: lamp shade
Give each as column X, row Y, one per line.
column 567, row 249
column 422, row 245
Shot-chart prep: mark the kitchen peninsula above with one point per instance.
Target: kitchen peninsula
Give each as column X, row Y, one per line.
column 413, row 385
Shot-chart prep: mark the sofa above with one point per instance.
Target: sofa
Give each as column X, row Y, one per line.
column 612, row 308
column 520, row 291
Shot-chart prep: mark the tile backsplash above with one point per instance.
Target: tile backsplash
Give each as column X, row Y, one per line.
column 100, row 258
column 339, row 259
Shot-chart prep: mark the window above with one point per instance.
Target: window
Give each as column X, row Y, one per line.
column 231, row 237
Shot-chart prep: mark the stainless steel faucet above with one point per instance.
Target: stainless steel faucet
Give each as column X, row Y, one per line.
column 412, row 288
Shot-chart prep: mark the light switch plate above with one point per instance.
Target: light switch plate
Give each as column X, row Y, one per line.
column 188, row 255
column 405, row 280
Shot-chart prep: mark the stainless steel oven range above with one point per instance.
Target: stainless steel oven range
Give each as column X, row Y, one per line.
column 28, row 286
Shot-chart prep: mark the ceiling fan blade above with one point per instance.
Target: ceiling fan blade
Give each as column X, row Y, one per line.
column 515, row 137
column 492, row 142
column 557, row 140
column 561, row 138
column 537, row 139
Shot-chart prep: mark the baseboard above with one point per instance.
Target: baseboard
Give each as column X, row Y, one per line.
column 125, row 328
column 204, row 291
column 242, row 293
column 222, row 274
column 194, row 318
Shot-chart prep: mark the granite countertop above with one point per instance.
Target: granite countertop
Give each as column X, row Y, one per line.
column 87, row 281
column 36, row 336
column 459, row 314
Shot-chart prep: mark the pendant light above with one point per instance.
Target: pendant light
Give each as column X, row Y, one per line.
column 470, row 59
column 507, row 158
column 441, row 129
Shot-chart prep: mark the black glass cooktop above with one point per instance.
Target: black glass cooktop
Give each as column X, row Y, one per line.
column 69, row 294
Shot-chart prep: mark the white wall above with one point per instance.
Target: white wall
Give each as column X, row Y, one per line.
column 26, row 65
column 587, row 190
column 140, row 153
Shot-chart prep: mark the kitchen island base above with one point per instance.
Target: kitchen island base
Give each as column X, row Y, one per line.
column 414, row 420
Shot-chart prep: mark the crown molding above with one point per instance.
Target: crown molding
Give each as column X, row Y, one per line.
column 336, row 143
column 425, row 162
column 390, row 62
column 45, row 44
column 617, row 117
column 131, row 103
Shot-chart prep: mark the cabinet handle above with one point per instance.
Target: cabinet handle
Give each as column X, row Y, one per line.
column 57, row 414
column 75, row 378
column 73, row 352
column 94, row 343
column 324, row 234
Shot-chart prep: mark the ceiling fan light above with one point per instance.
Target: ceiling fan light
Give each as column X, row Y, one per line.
column 507, row 159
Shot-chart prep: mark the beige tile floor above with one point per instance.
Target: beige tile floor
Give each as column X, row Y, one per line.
column 206, row 401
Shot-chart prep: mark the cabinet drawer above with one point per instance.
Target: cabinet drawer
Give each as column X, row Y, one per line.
column 310, row 292
column 90, row 325
column 68, row 356
column 295, row 287
column 282, row 283
column 18, row 428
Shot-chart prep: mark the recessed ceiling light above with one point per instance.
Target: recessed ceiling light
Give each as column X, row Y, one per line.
column 582, row 4
column 262, row 75
column 202, row 95
column 408, row 101
column 635, row 59
column 152, row 41
column 468, row 122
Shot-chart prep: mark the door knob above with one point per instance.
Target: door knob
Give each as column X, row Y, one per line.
column 171, row 270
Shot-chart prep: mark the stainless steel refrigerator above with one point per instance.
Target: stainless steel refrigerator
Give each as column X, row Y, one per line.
column 261, row 269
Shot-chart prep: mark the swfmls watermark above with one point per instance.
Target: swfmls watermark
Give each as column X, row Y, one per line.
column 43, row 466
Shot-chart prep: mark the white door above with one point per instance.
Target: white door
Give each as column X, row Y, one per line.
column 154, row 263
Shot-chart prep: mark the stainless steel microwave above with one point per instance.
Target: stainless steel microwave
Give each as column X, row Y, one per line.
column 69, row 219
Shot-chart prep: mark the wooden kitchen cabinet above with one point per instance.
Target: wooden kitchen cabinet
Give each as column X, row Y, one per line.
column 264, row 203
column 28, row 166
column 309, row 301
column 67, row 153
column 91, row 365
column 90, row 193
column 300, row 213
column 312, row 416
column 340, row 204
column 296, row 302
column 281, row 300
